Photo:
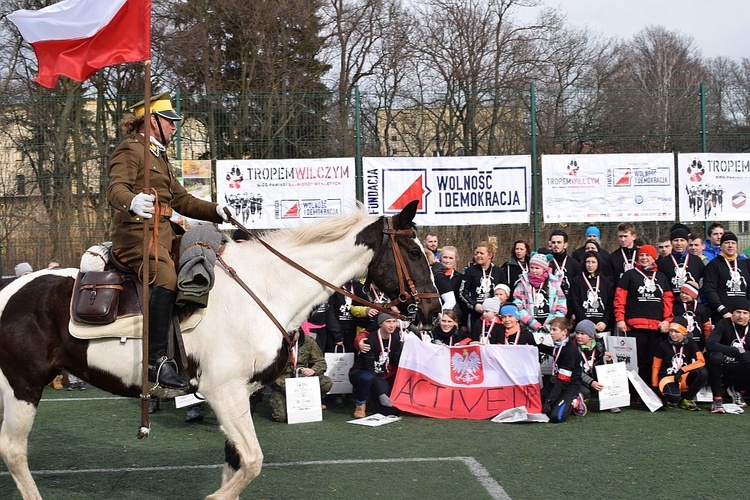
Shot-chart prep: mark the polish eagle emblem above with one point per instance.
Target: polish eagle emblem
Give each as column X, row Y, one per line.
column 466, row 366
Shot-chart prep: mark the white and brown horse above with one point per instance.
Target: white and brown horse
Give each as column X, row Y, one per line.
column 234, row 348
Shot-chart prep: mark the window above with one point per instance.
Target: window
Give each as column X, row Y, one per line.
column 743, row 226
column 21, row 185
column 394, row 152
column 394, row 138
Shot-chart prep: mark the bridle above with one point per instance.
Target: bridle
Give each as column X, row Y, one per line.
column 404, row 278
column 407, row 290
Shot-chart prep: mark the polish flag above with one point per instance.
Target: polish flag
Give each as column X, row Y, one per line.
column 74, row 38
column 474, row 381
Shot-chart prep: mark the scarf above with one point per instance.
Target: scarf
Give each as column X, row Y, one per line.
column 729, row 259
column 537, row 280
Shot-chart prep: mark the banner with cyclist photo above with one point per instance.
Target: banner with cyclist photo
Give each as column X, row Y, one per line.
column 713, row 186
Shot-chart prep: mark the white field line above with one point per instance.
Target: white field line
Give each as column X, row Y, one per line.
column 475, row 468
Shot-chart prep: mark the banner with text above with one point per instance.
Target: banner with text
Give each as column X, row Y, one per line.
column 271, row 194
column 474, row 381
column 471, row 190
column 713, row 186
column 608, row 187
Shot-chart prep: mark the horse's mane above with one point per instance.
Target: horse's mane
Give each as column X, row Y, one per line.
column 330, row 229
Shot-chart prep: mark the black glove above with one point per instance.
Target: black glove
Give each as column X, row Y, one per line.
column 744, row 357
column 546, row 407
column 735, row 353
column 678, row 375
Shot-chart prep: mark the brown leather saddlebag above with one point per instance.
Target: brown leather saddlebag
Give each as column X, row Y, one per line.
column 96, row 297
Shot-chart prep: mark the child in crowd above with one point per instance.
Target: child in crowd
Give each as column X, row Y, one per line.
column 487, row 329
column 375, row 364
column 513, row 333
column 679, row 369
column 538, row 294
column 562, row 395
column 698, row 318
column 593, row 355
column 502, row 293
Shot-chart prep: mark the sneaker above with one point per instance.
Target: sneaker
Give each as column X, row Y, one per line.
column 82, row 386
column 736, row 397
column 579, row 406
column 687, row 404
column 71, row 387
column 615, row 410
column 670, row 406
column 717, row 406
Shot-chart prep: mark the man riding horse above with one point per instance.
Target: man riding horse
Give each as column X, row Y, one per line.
column 132, row 203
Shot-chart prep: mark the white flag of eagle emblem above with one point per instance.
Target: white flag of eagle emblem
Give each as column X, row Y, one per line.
column 466, row 366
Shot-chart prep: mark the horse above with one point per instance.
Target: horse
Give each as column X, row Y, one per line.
column 232, row 351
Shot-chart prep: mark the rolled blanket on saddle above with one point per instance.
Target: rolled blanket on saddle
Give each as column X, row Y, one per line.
column 195, row 276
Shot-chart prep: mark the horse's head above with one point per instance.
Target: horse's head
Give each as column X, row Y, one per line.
column 400, row 269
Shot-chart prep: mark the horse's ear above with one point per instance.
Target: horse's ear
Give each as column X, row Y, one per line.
column 403, row 219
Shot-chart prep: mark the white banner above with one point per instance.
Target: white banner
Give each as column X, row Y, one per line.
column 463, row 190
column 272, row 194
column 713, row 186
column 608, row 187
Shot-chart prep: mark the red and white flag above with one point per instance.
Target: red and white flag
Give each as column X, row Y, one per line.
column 74, row 38
column 473, row 381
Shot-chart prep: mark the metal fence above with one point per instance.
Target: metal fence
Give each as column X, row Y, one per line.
column 54, row 148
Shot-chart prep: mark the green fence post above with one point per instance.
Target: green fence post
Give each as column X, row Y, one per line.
column 534, row 167
column 358, row 148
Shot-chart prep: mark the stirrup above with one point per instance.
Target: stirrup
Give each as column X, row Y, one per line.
column 161, row 391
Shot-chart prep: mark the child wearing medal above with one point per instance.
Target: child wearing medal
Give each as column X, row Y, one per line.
column 591, row 295
column 592, row 355
column 678, row 369
column 375, row 365
column 687, row 304
column 538, row 295
column 643, row 307
column 486, row 330
column 561, row 396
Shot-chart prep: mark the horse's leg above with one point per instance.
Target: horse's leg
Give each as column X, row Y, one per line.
column 14, row 433
column 244, row 456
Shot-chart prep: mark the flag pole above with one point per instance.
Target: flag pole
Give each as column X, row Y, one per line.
column 145, row 277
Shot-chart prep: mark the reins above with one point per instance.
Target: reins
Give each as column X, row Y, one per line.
column 401, row 269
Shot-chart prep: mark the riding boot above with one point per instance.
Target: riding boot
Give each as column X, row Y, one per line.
column 161, row 303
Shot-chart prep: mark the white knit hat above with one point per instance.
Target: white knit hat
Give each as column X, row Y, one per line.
column 491, row 304
column 22, row 268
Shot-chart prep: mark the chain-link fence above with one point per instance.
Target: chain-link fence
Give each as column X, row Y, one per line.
column 54, row 148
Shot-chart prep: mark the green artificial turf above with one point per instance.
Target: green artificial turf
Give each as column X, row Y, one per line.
column 668, row 454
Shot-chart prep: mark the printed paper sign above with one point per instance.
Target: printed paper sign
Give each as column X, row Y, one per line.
column 615, row 391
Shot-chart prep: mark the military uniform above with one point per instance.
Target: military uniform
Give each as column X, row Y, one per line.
column 126, row 180
column 127, row 168
column 309, row 355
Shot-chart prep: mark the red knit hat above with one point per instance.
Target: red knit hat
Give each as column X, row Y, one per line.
column 649, row 249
